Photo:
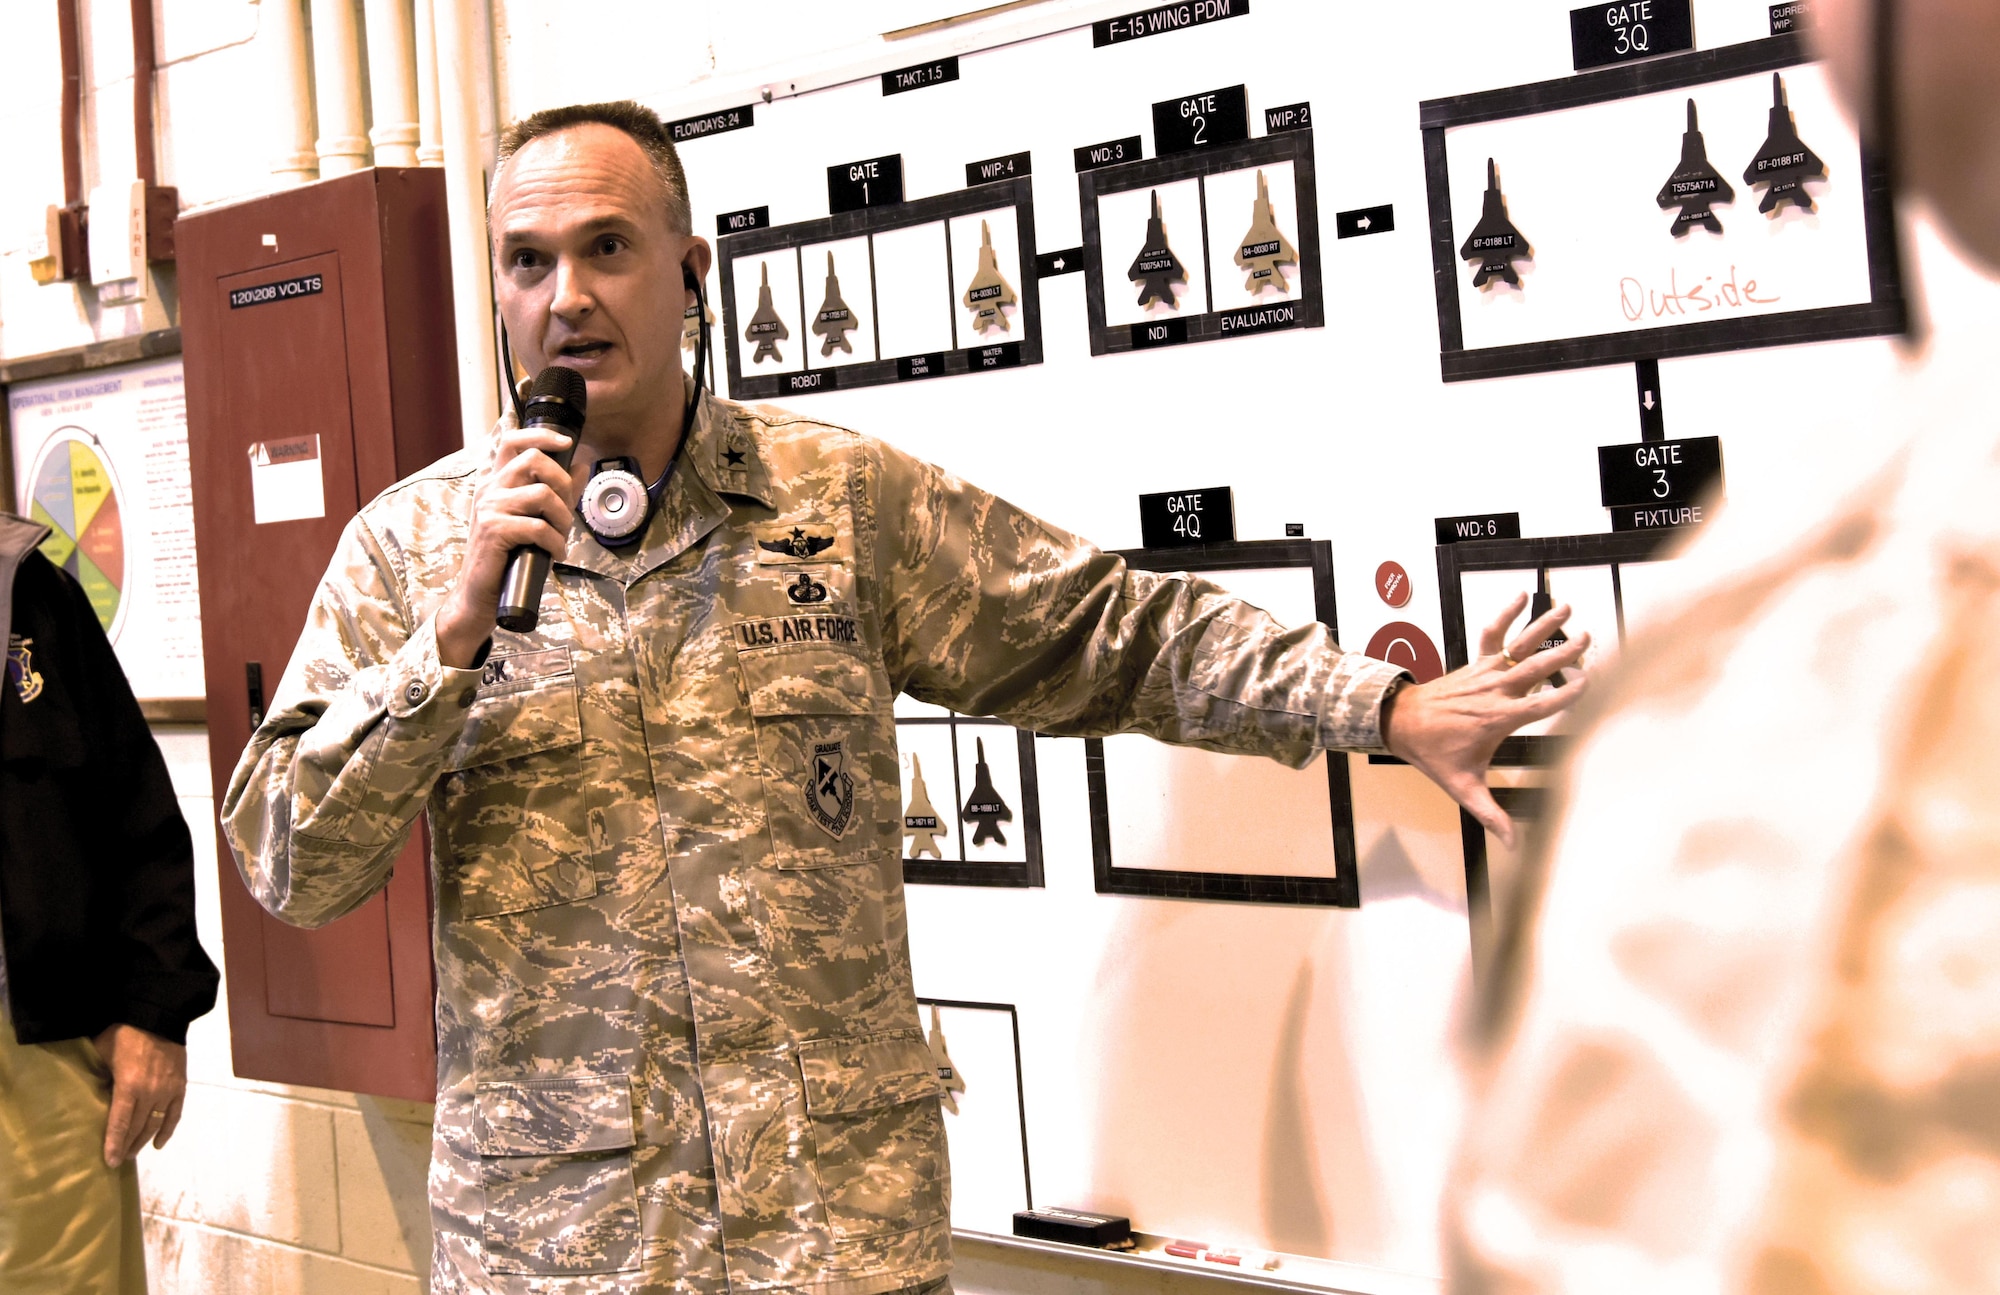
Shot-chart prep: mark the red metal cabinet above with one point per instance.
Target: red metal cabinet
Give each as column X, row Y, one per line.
column 318, row 319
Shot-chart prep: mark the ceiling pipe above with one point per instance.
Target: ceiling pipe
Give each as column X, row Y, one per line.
column 463, row 56
column 282, row 43
column 392, row 82
column 336, row 42
column 430, row 143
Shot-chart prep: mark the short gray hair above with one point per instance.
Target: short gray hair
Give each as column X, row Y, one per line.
column 639, row 123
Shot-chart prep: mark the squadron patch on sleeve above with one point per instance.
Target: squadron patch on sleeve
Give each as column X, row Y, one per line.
column 829, row 789
column 21, row 670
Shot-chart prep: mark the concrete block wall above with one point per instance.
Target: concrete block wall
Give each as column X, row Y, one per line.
column 268, row 1189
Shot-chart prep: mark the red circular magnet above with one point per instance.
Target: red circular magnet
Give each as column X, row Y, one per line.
column 1393, row 583
column 1401, row 643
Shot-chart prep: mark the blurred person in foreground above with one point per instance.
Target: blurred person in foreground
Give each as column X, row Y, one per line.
column 1742, row 1031
column 100, row 971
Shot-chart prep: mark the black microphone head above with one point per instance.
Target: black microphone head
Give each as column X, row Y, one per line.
column 557, row 396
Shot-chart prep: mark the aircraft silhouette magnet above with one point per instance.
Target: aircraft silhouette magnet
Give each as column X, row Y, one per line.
column 765, row 328
column 1784, row 163
column 1495, row 243
column 984, row 806
column 920, row 818
column 949, row 1077
column 696, row 314
column 989, row 291
column 1695, row 186
column 1156, row 269
column 1264, row 247
column 834, row 321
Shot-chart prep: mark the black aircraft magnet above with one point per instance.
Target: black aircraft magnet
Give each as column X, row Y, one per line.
column 1156, row 269
column 1264, row 247
column 983, row 807
column 1784, row 163
column 1495, row 243
column 1695, row 186
column 765, row 328
column 834, row 321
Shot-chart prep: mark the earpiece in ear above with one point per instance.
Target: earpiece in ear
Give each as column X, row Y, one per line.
column 687, row 277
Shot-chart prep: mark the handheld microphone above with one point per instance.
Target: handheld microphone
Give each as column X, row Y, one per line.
column 556, row 400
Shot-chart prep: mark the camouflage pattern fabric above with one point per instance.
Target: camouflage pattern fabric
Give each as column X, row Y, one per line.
column 1742, row 1030
column 678, row 1046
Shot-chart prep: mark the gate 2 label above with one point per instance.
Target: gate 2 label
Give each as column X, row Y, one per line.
column 1175, row 519
column 1201, row 120
column 1603, row 34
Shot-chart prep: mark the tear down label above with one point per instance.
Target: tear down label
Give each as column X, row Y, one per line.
column 773, row 631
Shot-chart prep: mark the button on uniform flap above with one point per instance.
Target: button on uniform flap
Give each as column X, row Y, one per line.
column 543, row 1117
column 849, row 1076
column 805, row 679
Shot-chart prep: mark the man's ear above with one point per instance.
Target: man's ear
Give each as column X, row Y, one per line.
column 695, row 261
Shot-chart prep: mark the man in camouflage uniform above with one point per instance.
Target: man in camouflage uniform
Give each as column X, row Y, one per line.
column 678, row 1044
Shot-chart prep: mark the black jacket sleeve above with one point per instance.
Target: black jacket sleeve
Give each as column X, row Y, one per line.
column 113, row 885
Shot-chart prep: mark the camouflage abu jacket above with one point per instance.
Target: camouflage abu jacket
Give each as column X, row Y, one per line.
column 678, row 1045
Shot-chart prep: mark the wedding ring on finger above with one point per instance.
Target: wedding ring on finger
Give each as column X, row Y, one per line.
column 1508, row 657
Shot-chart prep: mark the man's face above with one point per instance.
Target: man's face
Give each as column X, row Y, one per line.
column 589, row 274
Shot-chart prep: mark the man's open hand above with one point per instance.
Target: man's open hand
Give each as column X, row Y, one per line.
column 1450, row 727
column 148, row 1081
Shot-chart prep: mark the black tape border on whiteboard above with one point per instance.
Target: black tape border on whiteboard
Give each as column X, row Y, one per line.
column 1018, row 192
column 1609, row 549
column 1884, row 313
column 1020, row 1083
column 967, row 872
column 1343, row 889
column 1294, row 146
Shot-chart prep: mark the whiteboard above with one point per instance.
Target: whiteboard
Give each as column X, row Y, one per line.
column 1247, row 1074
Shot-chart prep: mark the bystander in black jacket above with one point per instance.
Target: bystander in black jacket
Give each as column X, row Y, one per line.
column 96, row 863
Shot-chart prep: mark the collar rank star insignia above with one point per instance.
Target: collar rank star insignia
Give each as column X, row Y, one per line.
column 20, row 667
column 829, row 790
column 797, row 544
column 735, row 454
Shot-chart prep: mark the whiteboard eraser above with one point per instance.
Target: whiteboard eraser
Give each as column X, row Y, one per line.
column 1077, row 1227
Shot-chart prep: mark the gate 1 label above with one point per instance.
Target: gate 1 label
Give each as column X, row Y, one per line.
column 1177, row 519
column 1201, row 120
column 1162, row 19
column 735, row 222
column 872, row 182
column 935, row 72
column 713, row 123
column 1110, row 153
column 1658, row 472
column 1603, row 34
column 1293, row 116
column 998, row 168
column 1479, row 526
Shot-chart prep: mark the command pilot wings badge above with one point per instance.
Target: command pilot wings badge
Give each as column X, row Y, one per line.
column 796, row 542
column 829, row 790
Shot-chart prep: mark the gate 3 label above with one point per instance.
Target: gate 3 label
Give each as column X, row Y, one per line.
column 1603, row 34
column 1658, row 472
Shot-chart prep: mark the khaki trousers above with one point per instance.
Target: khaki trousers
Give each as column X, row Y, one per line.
column 68, row 1225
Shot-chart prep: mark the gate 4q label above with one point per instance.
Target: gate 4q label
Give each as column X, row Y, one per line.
column 1175, row 519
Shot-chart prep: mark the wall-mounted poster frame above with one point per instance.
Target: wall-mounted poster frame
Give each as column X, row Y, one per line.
column 1343, row 888
column 1305, row 309
column 1022, row 873
column 1454, row 561
column 1883, row 313
column 968, row 353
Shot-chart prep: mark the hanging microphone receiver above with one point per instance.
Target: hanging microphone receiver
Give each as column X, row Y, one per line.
column 556, row 401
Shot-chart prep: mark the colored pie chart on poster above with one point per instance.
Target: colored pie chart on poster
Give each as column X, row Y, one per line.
column 74, row 496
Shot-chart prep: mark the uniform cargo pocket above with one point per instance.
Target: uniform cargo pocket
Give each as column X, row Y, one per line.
column 512, row 809
column 879, row 1150
column 820, row 727
column 556, row 1168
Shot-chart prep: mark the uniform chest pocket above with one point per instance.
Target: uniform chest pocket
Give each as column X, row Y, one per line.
column 555, row 1163
column 512, row 808
column 826, row 749
column 878, row 1139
